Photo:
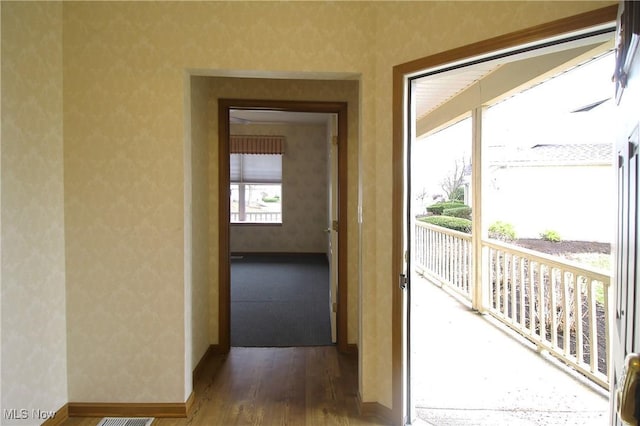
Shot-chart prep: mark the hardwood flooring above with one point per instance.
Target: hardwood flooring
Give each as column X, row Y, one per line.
column 300, row 386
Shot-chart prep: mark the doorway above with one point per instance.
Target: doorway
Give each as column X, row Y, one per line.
column 405, row 75
column 533, row 181
column 280, row 228
column 243, row 106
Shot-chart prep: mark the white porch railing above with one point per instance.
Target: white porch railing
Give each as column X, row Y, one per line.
column 559, row 305
column 445, row 256
column 256, row 217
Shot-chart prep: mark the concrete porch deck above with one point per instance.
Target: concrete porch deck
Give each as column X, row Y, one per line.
column 468, row 371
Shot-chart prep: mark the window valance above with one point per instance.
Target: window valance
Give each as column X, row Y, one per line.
column 256, row 144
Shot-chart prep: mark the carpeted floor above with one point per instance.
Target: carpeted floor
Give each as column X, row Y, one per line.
column 280, row 301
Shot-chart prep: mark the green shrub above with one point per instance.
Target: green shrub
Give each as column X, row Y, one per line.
column 455, row 223
column 550, row 235
column 502, row 231
column 463, row 212
column 437, row 208
column 273, row 199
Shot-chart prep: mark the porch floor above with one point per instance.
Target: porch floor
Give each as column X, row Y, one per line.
column 468, row 371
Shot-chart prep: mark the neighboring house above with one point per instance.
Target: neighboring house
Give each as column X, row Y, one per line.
column 567, row 188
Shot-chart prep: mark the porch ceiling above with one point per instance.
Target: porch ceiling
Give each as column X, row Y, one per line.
column 431, row 92
column 443, row 98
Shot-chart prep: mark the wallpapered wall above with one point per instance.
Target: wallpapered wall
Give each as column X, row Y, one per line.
column 200, row 113
column 34, row 350
column 123, row 96
column 124, row 162
column 304, row 188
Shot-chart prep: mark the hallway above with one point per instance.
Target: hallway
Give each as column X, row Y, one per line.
column 467, row 371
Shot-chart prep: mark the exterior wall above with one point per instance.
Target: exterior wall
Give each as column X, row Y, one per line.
column 33, row 339
column 124, row 169
column 577, row 202
column 304, row 194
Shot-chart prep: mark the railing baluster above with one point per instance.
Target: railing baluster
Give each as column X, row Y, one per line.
column 566, row 305
column 460, row 261
column 461, row 274
column 553, row 311
column 498, row 288
column 578, row 317
column 532, row 299
column 593, row 327
column 434, row 249
column 491, row 278
column 456, row 262
column 456, row 275
column 450, row 260
column 496, row 280
column 605, row 289
column 514, row 307
column 430, row 249
column 503, row 275
column 523, row 322
column 469, row 264
column 439, row 254
column 541, row 303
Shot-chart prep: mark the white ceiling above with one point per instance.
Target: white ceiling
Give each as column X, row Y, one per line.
column 268, row 116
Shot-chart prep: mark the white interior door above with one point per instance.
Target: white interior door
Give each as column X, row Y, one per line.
column 332, row 227
column 626, row 316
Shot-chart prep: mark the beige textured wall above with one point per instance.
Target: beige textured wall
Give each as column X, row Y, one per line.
column 124, row 67
column 34, row 354
column 200, row 215
column 304, row 188
column 124, row 203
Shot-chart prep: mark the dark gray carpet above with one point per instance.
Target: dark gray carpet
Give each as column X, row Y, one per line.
column 280, row 301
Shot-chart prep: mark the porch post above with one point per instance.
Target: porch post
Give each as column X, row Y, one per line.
column 478, row 291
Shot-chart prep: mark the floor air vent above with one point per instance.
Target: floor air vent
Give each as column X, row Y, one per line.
column 122, row 421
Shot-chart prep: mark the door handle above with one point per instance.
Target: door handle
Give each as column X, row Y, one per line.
column 627, row 392
column 403, row 282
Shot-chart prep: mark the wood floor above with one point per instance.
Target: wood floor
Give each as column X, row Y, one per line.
column 272, row 386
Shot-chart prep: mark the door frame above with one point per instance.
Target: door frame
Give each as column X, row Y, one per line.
column 401, row 74
column 224, row 252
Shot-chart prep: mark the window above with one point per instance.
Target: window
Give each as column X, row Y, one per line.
column 256, row 179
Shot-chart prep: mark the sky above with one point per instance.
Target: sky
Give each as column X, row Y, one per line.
column 542, row 114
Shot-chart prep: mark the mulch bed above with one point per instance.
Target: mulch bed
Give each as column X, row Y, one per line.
column 563, row 247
